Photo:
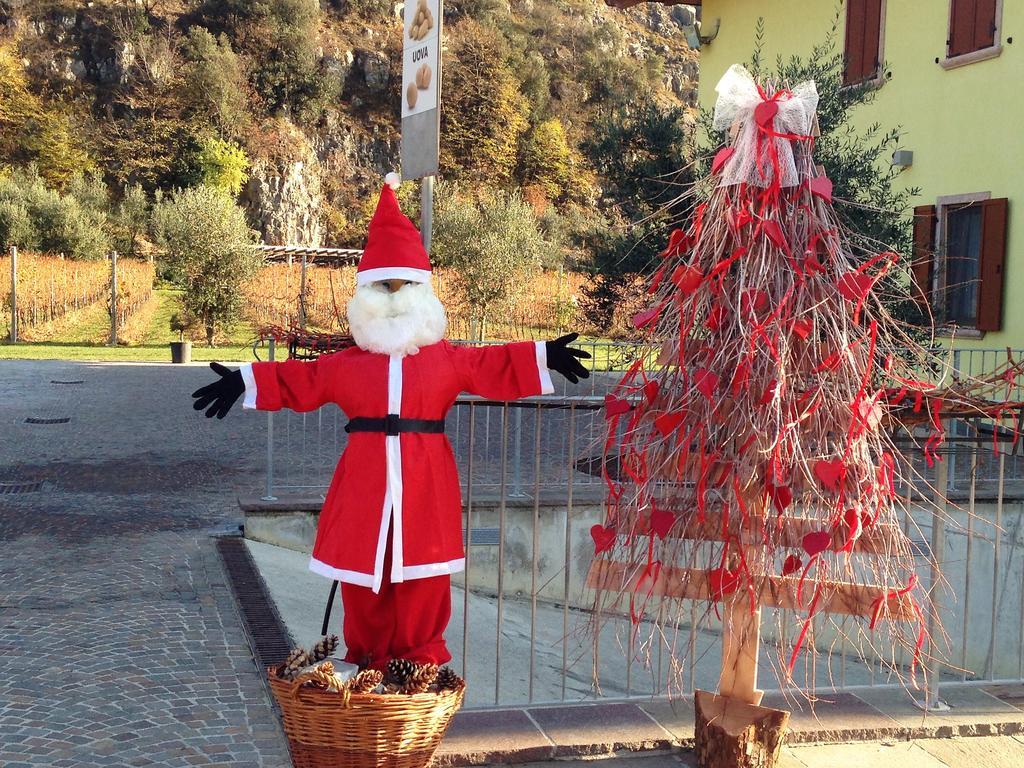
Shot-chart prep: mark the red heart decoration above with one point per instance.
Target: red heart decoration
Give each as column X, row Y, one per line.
column 615, row 406
column 651, row 389
column 740, row 377
column 773, row 232
column 811, row 265
column 885, row 473
column 781, row 496
column 803, row 327
column 656, row 280
column 604, row 538
column 715, row 318
column 721, row 158
column 765, row 112
column 854, row 528
column 661, row 522
column 817, row 542
column 753, row 301
column 677, row 241
column 743, row 217
column 722, row 582
column 792, row 564
column 830, row 473
column 854, row 285
column 687, row 278
column 822, row 187
column 706, row 382
column 870, row 413
column 667, row 423
column 647, row 317
column 769, row 393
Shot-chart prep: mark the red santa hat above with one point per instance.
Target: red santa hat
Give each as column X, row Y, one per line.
column 394, row 249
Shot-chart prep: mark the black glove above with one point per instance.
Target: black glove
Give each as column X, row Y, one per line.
column 562, row 358
column 220, row 395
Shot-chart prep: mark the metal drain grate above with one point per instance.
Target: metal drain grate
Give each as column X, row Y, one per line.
column 34, row 420
column 20, row 487
column 268, row 636
column 58, row 381
column 483, row 537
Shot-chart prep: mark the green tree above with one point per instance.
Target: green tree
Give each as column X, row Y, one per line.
column 130, row 220
column 207, row 239
column 223, row 165
column 640, row 154
column 492, row 241
column 216, row 81
column 32, row 131
column 550, row 163
column 483, row 114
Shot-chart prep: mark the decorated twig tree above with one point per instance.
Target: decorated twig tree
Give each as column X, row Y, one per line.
column 753, row 464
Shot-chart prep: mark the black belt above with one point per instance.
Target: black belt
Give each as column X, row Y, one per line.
column 393, row 424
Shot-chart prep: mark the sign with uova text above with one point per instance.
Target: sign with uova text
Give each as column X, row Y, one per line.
column 421, row 87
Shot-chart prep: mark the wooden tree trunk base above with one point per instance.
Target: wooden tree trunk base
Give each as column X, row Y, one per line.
column 734, row 734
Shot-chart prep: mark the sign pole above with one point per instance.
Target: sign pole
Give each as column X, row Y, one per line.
column 427, row 211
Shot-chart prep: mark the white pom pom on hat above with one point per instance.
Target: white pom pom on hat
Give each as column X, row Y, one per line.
column 393, row 180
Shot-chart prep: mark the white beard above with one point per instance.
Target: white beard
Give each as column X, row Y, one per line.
column 396, row 323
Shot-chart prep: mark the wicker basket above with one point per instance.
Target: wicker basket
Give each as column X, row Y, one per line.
column 368, row 731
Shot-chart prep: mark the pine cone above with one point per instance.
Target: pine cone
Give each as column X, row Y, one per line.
column 398, row 672
column 365, row 681
column 448, row 680
column 421, row 679
column 290, row 668
column 324, row 648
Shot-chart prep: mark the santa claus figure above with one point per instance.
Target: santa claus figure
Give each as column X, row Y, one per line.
column 391, row 526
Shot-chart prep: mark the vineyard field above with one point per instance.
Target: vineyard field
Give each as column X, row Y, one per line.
column 51, row 288
column 546, row 303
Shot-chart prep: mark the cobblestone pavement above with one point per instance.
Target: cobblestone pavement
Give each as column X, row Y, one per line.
column 119, row 640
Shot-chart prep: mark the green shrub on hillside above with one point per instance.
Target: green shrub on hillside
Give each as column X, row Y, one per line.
column 223, row 165
column 216, row 81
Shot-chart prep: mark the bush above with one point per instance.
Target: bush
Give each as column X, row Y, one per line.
column 492, row 241
column 207, row 241
column 216, row 81
column 223, row 165
column 37, row 217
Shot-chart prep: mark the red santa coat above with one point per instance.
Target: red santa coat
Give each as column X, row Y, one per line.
column 408, row 480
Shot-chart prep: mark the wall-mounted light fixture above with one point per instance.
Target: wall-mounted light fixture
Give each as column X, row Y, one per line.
column 903, row 158
column 696, row 35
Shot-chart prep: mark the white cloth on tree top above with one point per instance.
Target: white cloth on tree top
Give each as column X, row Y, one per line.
column 738, row 98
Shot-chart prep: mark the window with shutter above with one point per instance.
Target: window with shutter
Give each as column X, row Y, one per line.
column 991, row 264
column 923, row 261
column 973, row 28
column 862, row 60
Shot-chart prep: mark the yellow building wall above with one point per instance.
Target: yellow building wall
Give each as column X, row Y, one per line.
column 964, row 125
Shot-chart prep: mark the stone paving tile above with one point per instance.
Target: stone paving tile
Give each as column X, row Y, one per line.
column 973, row 712
column 495, row 736
column 987, row 751
column 866, row 755
column 676, row 716
column 833, row 717
column 119, row 640
column 600, row 728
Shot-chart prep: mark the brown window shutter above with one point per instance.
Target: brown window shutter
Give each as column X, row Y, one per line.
column 961, row 27
column 984, row 24
column 991, row 268
column 854, row 50
column 872, row 38
column 923, row 261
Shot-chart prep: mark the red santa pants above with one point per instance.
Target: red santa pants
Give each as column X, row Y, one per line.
column 403, row 621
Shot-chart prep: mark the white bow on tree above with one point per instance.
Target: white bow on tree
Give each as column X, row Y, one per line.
column 773, row 133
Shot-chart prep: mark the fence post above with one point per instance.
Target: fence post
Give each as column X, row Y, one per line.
column 302, row 294
column 270, row 438
column 113, row 298
column 14, row 294
column 938, row 544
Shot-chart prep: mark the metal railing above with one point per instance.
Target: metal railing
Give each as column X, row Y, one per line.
column 532, row 490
